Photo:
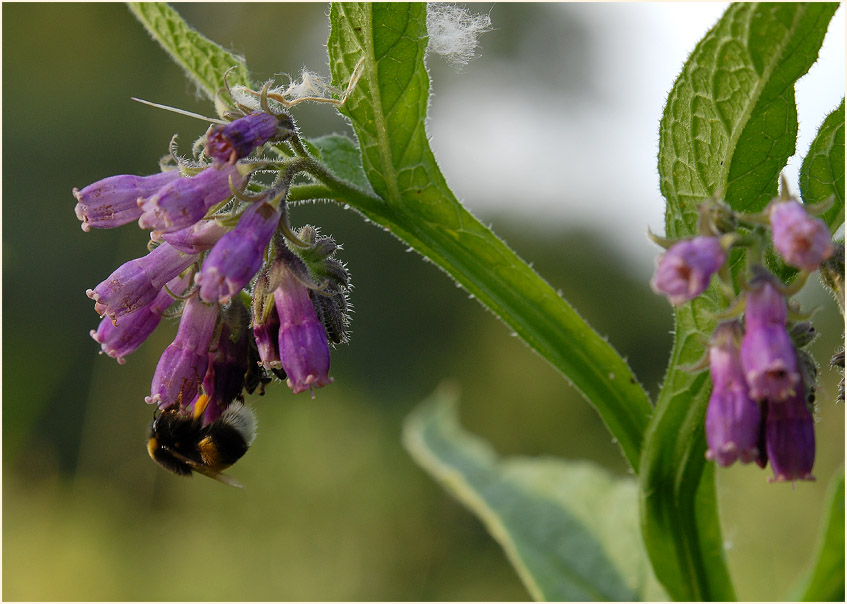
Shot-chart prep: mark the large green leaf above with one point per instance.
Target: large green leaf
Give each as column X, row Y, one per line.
column 204, row 62
column 729, row 126
column 387, row 109
column 730, row 123
column 822, row 174
column 569, row 528
column 824, row 580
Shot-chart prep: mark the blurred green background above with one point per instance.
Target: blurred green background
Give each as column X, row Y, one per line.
column 334, row 508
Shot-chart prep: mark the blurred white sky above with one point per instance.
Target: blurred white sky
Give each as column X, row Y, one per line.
column 596, row 163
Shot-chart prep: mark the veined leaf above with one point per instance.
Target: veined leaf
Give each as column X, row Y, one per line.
column 729, row 126
column 387, row 109
column 204, row 62
column 822, row 174
column 730, row 123
column 569, row 528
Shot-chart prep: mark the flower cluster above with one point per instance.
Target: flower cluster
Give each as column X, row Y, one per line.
column 255, row 299
column 761, row 407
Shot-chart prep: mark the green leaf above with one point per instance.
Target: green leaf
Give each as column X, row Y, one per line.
column 569, row 528
column 729, row 125
column 204, row 62
column 824, row 580
column 387, row 110
column 342, row 156
column 822, row 174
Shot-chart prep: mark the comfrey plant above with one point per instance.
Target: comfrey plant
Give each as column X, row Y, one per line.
column 763, row 379
column 259, row 298
column 256, row 299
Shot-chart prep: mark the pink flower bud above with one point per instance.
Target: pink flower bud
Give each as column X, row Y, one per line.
column 802, row 240
column 683, row 272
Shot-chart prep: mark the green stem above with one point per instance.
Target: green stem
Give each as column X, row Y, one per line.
column 334, row 188
column 505, row 284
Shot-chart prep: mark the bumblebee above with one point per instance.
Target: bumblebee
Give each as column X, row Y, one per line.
column 179, row 442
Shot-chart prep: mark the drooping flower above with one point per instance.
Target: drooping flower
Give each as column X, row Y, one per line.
column 238, row 255
column 197, row 238
column 224, row 377
column 137, row 283
column 765, row 305
column 683, row 272
column 303, row 347
column 184, row 362
column 802, row 240
column 113, row 201
column 185, row 201
column 770, row 363
column 266, row 334
column 732, row 418
column 790, row 437
column 231, row 142
column 767, row 352
column 120, row 340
